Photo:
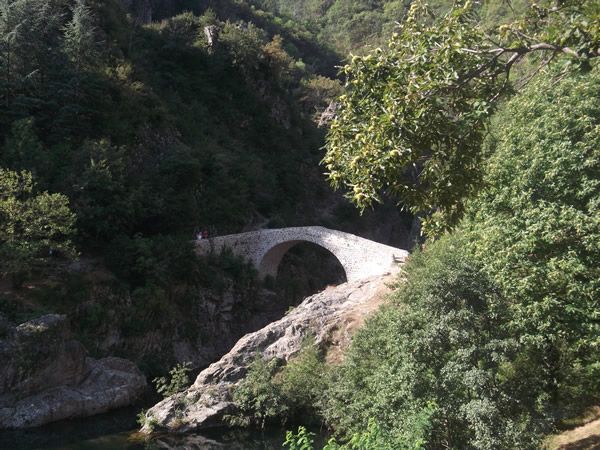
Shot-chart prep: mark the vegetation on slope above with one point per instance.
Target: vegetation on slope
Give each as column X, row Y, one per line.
column 127, row 137
column 491, row 338
column 144, row 135
column 523, row 264
column 357, row 26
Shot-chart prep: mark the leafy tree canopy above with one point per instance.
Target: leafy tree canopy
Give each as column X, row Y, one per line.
column 538, row 232
column 31, row 224
column 412, row 121
column 493, row 337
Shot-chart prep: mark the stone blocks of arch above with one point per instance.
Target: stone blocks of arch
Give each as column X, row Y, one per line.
column 361, row 258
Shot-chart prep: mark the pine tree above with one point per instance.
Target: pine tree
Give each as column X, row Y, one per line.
column 8, row 35
column 42, row 40
column 80, row 37
column 30, row 33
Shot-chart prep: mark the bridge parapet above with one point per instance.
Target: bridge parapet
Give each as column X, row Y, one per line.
column 361, row 258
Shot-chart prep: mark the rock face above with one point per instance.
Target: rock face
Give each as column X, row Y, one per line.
column 211, row 32
column 46, row 376
column 328, row 115
column 330, row 317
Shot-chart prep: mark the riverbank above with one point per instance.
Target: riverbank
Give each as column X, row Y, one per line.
column 117, row 430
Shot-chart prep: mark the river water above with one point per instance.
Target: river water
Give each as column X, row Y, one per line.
column 118, row 431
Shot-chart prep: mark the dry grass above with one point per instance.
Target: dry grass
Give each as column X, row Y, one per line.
column 584, row 437
column 341, row 335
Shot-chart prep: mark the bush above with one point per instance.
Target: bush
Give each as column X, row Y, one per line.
column 177, row 380
column 258, row 399
column 303, row 381
column 272, row 391
column 303, row 440
column 434, row 369
column 536, row 228
column 146, row 420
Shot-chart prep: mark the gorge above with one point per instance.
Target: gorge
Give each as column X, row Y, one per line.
column 306, row 142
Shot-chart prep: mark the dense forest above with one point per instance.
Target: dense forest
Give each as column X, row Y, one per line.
column 122, row 137
column 127, row 127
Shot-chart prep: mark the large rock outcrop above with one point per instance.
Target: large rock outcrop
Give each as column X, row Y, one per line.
column 330, row 317
column 45, row 376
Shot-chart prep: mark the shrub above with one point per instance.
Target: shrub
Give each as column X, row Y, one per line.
column 146, row 420
column 433, row 369
column 177, row 380
column 257, row 398
column 303, row 382
column 273, row 392
column 536, row 228
column 302, row 440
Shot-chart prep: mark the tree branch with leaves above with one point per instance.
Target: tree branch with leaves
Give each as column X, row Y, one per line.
column 412, row 120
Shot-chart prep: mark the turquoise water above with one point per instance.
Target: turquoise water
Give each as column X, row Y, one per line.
column 118, row 431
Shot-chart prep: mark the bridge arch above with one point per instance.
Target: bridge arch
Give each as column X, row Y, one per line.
column 271, row 260
column 360, row 258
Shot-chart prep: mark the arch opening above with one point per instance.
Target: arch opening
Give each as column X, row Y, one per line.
column 297, row 269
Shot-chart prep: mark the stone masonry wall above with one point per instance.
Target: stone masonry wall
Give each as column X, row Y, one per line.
column 360, row 258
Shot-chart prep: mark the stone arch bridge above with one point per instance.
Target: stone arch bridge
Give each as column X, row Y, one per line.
column 360, row 258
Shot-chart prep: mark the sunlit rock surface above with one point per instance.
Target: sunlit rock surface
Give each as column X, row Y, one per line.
column 331, row 317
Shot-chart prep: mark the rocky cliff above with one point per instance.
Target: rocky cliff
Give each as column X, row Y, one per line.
column 46, row 375
column 330, row 317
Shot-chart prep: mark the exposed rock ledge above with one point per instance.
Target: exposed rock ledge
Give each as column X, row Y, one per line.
column 330, row 316
column 46, row 376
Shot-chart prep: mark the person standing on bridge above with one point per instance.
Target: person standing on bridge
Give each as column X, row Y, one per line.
column 205, row 234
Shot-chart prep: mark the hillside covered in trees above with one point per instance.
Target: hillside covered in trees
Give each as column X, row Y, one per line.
column 128, row 126
column 122, row 138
